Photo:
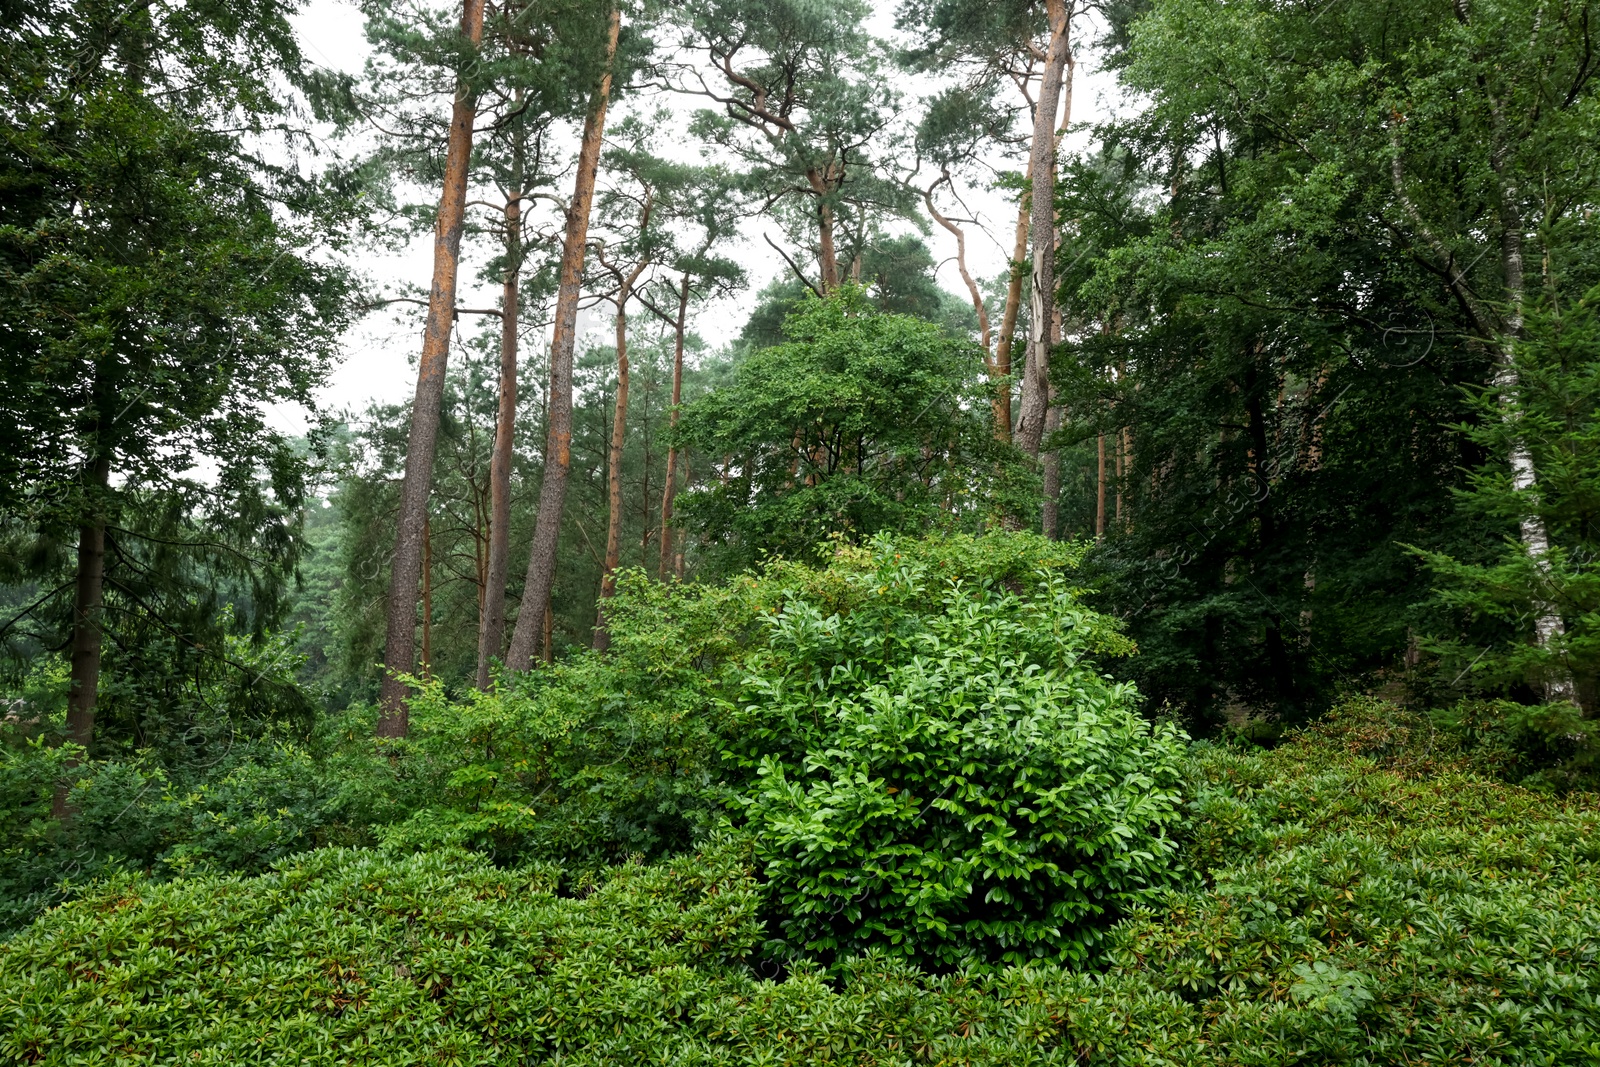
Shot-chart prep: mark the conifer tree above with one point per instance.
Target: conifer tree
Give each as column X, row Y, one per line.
column 160, row 297
column 558, row 435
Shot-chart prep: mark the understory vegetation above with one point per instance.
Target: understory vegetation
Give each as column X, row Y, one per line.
column 927, row 532
column 1359, row 894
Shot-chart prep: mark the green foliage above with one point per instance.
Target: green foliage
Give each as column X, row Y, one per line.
column 1351, row 911
column 1493, row 595
column 808, row 110
column 1362, row 915
column 943, row 773
column 161, row 303
column 863, row 422
column 1288, row 338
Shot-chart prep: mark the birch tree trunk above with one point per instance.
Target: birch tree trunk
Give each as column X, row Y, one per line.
column 558, row 440
column 1548, row 626
column 1035, row 400
column 399, row 649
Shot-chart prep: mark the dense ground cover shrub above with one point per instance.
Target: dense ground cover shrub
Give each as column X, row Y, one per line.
column 1343, row 912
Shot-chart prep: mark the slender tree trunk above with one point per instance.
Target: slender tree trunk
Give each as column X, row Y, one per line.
column 558, row 441
column 1008, row 321
column 88, row 607
column 678, row 535
column 399, row 650
column 966, row 275
column 619, row 439
column 1036, row 373
column 671, row 489
column 1548, row 626
column 1100, row 492
column 1122, row 471
column 492, row 614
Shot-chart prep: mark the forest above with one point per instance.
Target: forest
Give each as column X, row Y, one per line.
column 984, row 532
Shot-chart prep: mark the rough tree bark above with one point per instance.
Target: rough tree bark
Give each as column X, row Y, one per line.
column 670, row 491
column 492, row 614
column 822, row 184
column 1035, row 400
column 399, row 648
column 558, row 440
column 1052, row 479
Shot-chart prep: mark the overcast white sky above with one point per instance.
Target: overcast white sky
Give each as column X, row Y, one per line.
column 377, row 364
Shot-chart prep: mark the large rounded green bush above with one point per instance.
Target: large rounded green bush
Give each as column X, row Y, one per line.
column 942, row 774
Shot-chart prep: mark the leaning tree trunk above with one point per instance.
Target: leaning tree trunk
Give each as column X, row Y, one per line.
column 671, row 489
column 558, row 440
column 973, row 291
column 1042, row 166
column 400, row 643
column 492, row 613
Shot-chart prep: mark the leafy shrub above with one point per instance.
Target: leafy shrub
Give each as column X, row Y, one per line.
column 590, row 761
column 271, row 797
column 1548, row 747
column 940, row 772
column 1348, row 914
column 1361, row 915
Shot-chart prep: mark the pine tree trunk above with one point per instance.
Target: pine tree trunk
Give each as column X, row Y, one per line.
column 678, row 535
column 427, row 598
column 1051, row 524
column 1036, row 372
column 558, row 440
column 1008, row 322
column 399, row 648
column 822, row 184
column 671, row 489
column 492, row 614
column 1050, row 512
column 619, row 439
column 1100, row 491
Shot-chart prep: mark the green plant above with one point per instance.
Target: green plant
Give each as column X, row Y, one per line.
column 941, row 771
column 1348, row 914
